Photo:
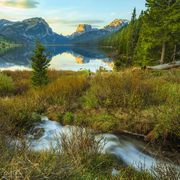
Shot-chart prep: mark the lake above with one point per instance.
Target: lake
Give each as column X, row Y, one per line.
column 73, row 58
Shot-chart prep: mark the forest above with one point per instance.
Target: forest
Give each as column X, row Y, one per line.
column 152, row 38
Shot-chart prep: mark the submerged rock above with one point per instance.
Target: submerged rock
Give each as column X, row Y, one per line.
column 37, row 133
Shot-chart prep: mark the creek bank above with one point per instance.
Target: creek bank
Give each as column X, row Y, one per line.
column 168, row 150
column 129, row 151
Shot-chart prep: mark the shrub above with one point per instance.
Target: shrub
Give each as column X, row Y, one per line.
column 127, row 89
column 65, row 91
column 167, row 123
column 6, row 85
column 90, row 100
column 18, row 112
column 68, row 118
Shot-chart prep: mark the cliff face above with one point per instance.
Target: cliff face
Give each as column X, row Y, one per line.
column 86, row 34
column 116, row 25
column 83, row 28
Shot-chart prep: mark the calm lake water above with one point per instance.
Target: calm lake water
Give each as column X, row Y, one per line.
column 62, row 58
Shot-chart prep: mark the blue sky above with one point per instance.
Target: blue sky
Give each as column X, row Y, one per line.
column 64, row 15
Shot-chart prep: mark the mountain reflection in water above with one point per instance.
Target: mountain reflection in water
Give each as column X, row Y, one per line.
column 62, row 58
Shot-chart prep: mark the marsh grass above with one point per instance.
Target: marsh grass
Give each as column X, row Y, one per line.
column 6, row 85
column 77, row 157
column 165, row 172
column 144, row 102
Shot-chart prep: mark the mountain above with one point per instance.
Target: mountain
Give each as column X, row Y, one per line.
column 86, row 34
column 83, row 28
column 89, row 37
column 4, row 22
column 29, row 30
column 116, row 25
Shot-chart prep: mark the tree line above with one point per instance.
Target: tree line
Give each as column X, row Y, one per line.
column 151, row 38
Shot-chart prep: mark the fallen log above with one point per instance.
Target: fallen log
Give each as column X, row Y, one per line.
column 164, row 66
column 133, row 134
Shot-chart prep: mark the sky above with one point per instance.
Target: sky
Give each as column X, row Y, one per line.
column 64, row 15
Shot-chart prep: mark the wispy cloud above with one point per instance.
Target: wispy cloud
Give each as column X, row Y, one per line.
column 83, row 21
column 75, row 22
column 25, row 4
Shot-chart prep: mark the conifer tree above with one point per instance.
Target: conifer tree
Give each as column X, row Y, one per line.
column 133, row 18
column 173, row 24
column 132, row 36
column 40, row 64
column 156, row 27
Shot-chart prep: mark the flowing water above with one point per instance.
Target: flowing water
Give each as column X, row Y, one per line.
column 125, row 149
column 62, row 58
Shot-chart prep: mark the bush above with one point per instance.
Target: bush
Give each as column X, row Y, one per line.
column 127, row 89
column 167, row 123
column 19, row 112
column 68, row 118
column 6, row 85
column 90, row 100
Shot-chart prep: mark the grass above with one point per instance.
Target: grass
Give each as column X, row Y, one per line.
column 79, row 158
column 6, row 85
column 145, row 102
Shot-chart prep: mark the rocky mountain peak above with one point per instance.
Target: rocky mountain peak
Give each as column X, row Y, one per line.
column 35, row 20
column 115, row 23
column 83, row 28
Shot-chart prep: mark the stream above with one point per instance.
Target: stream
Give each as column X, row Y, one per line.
column 128, row 150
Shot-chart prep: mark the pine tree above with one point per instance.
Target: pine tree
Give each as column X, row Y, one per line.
column 173, row 24
column 156, row 28
column 133, row 33
column 133, row 18
column 40, row 64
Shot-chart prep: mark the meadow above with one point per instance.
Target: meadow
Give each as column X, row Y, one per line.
column 137, row 101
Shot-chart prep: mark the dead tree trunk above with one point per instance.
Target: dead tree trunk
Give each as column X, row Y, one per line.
column 174, row 54
column 163, row 53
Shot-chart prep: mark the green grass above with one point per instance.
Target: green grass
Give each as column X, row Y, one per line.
column 6, row 84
